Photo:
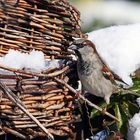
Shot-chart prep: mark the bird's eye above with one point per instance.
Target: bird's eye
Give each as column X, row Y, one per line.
column 84, row 43
column 81, row 45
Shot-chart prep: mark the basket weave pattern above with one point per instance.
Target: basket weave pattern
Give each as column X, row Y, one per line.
column 48, row 26
column 38, row 24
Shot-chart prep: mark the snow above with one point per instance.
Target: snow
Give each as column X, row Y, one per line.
column 15, row 59
column 55, row 63
column 138, row 101
column 119, row 47
column 34, row 60
column 134, row 126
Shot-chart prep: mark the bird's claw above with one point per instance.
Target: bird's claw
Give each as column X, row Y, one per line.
column 103, row 110
column 78, row 93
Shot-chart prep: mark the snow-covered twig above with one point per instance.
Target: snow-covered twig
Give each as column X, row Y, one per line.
column 32, row 74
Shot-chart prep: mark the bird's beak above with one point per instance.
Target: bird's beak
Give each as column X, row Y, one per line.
column 72, row 47
column 75, row 44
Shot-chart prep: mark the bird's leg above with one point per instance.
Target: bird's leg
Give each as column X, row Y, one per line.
column 79, row 89
column 104, row 109
column 107, row 99
column 78, row 92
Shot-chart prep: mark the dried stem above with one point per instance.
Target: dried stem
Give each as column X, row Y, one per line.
column 84, row 99
column 8, row 130
column 32, row 74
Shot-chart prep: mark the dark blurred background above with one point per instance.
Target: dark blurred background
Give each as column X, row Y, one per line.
column 96, row 14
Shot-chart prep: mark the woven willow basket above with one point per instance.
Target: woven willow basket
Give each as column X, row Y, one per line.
column 48, row 26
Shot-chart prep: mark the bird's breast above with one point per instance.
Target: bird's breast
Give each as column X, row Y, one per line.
column 90, row 84
column 94, row 82
column 85, row 68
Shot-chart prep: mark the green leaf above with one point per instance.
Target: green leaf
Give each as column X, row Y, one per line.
column 121, row 112
column 133, row 108
column 136, row 85
column 118, row 115
column 95, row 112
column 124, row 109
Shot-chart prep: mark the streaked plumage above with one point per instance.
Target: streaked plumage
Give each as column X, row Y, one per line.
column 95, row 76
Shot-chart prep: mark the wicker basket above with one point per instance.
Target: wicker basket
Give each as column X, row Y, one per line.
column 46, row 25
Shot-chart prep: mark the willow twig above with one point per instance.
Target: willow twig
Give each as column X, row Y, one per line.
column 8, row 130
column 86, row 100
column 32, row 74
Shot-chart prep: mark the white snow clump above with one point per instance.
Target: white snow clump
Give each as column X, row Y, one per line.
column 119, row 47
column 34, row 61
column 134, row 126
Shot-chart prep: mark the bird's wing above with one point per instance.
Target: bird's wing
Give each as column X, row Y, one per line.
column 108, row 74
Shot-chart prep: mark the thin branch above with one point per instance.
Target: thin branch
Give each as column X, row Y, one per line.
column 18, row 102
column 86, row 100
column 32, row 74
column 9, row 130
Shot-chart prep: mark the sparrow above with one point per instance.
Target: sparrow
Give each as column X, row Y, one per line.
column 94, row 74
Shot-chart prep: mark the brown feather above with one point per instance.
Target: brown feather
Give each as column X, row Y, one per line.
column 111, row 75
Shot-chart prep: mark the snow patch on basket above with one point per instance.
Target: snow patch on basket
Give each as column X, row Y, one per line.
column 35, row 60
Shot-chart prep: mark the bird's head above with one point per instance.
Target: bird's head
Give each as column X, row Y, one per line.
column 83, row 47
